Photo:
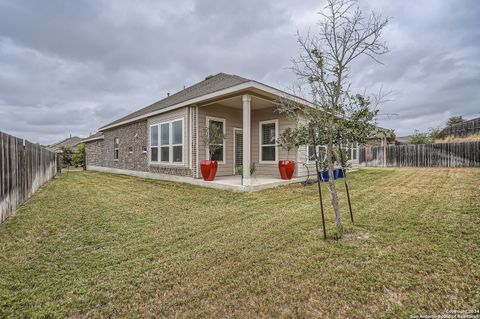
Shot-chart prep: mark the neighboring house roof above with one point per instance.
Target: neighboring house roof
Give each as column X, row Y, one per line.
column 95, row 137
column 403, row 139
column 381, row 132
column 71, row 142
column 463, row 129
column 211, row 87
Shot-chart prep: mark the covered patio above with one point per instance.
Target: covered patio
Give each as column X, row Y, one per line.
column 251, row 126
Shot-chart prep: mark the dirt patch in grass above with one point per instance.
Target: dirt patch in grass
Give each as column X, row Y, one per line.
column 355, row 236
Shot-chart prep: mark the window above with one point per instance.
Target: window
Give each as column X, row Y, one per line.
column 354, row 151
column 219, row 152
column 321, row 151
column 177, row 141
column 268, row 141
column 154, row 143
column 116, row 143
column 350, row 152
column 166, row 142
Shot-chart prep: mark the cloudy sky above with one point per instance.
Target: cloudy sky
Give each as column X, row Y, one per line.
column 68, row 67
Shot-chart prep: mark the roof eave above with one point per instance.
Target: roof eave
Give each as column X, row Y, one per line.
column 230, row 90
column 101, row 137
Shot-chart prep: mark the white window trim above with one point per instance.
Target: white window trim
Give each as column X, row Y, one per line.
column 352, row 148
column 308, row 152
column 181, row 144
column 235, row 130
column 207, row 123
column 261, row 161
column 116, row 147
column 170, row 145
column 149, row 147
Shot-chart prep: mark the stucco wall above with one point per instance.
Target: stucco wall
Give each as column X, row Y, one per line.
column 283, row 123
column 234, row 119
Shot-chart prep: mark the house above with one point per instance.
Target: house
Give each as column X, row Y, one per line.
column 72, row 142
column 464, row 129
column 164, row 140
column 381, row 136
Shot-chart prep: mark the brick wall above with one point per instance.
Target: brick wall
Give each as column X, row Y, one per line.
column 94, row 153
column 133, row 145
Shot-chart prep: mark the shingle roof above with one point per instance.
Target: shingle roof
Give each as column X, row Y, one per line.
column 93, row 137
column 70, row 142
column 211, row 84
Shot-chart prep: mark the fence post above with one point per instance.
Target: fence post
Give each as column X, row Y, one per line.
column 384, row 152
column 59, row 162
column 84, row 160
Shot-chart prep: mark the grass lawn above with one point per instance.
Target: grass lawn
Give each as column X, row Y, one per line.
column 100, row 245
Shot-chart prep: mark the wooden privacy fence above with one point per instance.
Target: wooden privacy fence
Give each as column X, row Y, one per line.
column 465, row 154
column 24, row 167
column 463, row 129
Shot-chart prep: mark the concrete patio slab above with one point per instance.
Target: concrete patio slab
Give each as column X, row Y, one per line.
column 230, row 183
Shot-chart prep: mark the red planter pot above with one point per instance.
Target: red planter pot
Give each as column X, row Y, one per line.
column 286, row 169
column 209, row 170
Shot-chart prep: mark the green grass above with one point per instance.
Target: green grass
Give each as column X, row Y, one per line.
column 100, row 245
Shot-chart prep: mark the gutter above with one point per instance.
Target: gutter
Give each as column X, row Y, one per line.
column 101, row 137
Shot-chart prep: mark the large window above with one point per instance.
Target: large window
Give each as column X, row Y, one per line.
column 268, row 141
column 321, row 151
column 154, row 143
column 166, row 142
column 217, row 124
column 350, row 152
column 116, row 144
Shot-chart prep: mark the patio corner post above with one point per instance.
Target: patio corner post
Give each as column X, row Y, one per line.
column 246, row 139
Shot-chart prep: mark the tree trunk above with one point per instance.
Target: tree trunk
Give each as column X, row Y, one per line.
column 333, row 189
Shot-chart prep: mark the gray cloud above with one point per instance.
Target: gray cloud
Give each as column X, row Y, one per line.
column 70, row 67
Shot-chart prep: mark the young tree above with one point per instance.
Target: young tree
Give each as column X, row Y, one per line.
column 424, row 138
column 78, row 156
column 345, row 34
column 66, row 156
column 287, row 140
column 455, row 120
column 213, row 138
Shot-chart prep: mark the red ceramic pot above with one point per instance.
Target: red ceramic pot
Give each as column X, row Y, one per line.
column 209, row 170
column 286, row 169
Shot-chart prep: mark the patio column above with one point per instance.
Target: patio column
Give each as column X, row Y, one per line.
column 246, row 139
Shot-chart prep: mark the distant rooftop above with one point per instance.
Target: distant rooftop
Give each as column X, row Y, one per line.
column 70, row 142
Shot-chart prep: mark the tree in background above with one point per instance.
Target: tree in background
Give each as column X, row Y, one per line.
column 66, row 156
column 78, row 156
column 345, row 35
column 428, row 137
column 455, row 120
